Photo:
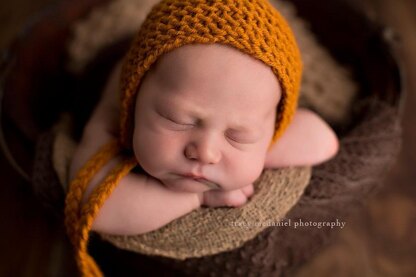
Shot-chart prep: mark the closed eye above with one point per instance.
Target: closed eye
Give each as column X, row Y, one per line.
column 175, row 121
column 240, row 140
column 179, row 123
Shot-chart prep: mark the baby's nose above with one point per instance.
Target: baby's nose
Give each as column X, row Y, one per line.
column 202, row 152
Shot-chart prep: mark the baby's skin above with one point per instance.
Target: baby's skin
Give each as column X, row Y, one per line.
column 204, row 120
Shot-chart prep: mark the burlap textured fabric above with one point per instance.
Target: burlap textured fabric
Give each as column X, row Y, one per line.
column 210, row 231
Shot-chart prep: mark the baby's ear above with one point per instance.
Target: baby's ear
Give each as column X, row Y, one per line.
column 308, row 140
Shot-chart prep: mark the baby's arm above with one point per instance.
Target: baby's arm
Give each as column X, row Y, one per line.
column 307, row 141
column 140, row 204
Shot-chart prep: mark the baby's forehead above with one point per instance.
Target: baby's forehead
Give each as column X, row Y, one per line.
column 211, row 58
column 215, row 66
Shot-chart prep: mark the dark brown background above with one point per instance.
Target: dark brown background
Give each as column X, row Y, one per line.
column 380, row 241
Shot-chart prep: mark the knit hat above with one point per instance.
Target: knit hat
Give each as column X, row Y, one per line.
column 251, row 26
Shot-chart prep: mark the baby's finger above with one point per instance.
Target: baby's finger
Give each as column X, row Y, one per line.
column 248, row 190
column 215, row 198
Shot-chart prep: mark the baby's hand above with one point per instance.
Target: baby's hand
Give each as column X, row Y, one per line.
column 231, row 198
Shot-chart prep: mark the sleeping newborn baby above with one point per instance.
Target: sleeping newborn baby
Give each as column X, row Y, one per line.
column 204, row 119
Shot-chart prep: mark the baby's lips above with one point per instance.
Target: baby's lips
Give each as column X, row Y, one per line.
column 201, row 179
column 208, row 183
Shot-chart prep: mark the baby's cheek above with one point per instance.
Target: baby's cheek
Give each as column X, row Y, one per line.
column 145, row 150
column 248, row 171
column 155, row 152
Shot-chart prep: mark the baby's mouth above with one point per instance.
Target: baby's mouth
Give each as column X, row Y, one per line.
column 202, row 180
column 208, row 183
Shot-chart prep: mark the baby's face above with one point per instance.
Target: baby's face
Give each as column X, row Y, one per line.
column 205, row 117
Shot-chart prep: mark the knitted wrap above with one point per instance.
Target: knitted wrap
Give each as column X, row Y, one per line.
column 253, row 26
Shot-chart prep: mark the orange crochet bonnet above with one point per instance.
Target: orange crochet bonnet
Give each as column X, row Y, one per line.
column 252, row 26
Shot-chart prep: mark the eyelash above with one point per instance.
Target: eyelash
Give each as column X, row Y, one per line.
column 239, row 141
column 236, row 141
column 182, row 124
column 175, row 122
